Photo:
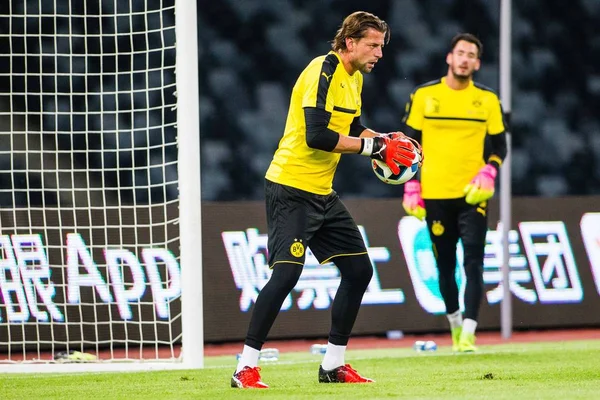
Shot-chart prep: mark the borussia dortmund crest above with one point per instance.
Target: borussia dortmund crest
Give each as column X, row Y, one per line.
column 437, row 228
column 297, row 248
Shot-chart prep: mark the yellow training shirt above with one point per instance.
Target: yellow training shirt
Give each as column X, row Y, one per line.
column 454, row 124
column 324, row 84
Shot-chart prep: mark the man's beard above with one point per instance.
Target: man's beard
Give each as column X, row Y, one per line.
column 461, row 77
column 364, row 68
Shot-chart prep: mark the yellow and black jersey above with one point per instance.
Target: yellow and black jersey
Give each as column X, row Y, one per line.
column 454, row 124
column 323, row 84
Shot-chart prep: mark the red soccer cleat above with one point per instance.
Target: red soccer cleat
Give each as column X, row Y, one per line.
column 343, row 374
column 248, row 378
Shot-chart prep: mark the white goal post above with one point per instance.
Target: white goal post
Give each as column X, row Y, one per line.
column 100, row 218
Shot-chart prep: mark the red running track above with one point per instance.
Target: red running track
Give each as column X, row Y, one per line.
column 372, row 342
column 363, row 342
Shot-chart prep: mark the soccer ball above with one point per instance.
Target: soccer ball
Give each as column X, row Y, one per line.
column 384, row 173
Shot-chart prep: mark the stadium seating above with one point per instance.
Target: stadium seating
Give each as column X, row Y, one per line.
column 252, row 51
column 555, row 89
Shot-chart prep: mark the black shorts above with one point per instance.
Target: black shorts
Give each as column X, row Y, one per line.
column 451, row 219
column 298, row 219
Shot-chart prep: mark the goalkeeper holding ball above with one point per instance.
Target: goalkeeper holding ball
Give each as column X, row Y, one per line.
column 302, row 208
column 452, row 117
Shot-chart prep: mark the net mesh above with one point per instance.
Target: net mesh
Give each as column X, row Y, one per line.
column 88, row 180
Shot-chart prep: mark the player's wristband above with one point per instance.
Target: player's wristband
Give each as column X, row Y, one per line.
column 370, row 146
column 366, row 146
column 495, row 162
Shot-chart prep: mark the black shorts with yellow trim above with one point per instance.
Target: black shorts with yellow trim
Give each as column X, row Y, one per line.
column 449, row 220
column 298, row 219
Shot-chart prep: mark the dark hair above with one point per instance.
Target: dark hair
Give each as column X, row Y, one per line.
column 467, row 37
column 356, row 25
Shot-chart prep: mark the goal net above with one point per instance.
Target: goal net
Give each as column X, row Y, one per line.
column 94, row 254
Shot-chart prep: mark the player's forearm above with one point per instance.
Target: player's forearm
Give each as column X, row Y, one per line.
column 323, row 138
column 369, row 133
column 319, row 136
column 349, row 144
column 498, row 149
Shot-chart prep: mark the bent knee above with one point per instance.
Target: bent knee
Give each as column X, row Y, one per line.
column 357, row 269
column 286, row 275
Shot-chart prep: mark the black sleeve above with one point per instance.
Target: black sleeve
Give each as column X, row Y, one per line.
column 356, row 128
column 318, row 135
column 413, row 133
column 498, row 149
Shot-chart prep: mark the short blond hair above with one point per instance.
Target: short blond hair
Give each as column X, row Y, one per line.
column 355, row 26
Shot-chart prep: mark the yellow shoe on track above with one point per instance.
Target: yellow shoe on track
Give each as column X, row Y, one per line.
column 466, row 344
column 455, row 337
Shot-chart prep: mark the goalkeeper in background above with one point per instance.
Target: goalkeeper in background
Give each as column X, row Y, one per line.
column 452, row 117
column 303, row 209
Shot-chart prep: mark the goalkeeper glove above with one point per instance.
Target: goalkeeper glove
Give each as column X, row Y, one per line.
column 402, row 136
column 412, row 201
column 390, row 151
column 481, row 188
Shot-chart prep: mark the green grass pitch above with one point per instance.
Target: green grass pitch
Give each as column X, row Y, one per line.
column 550, row 370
